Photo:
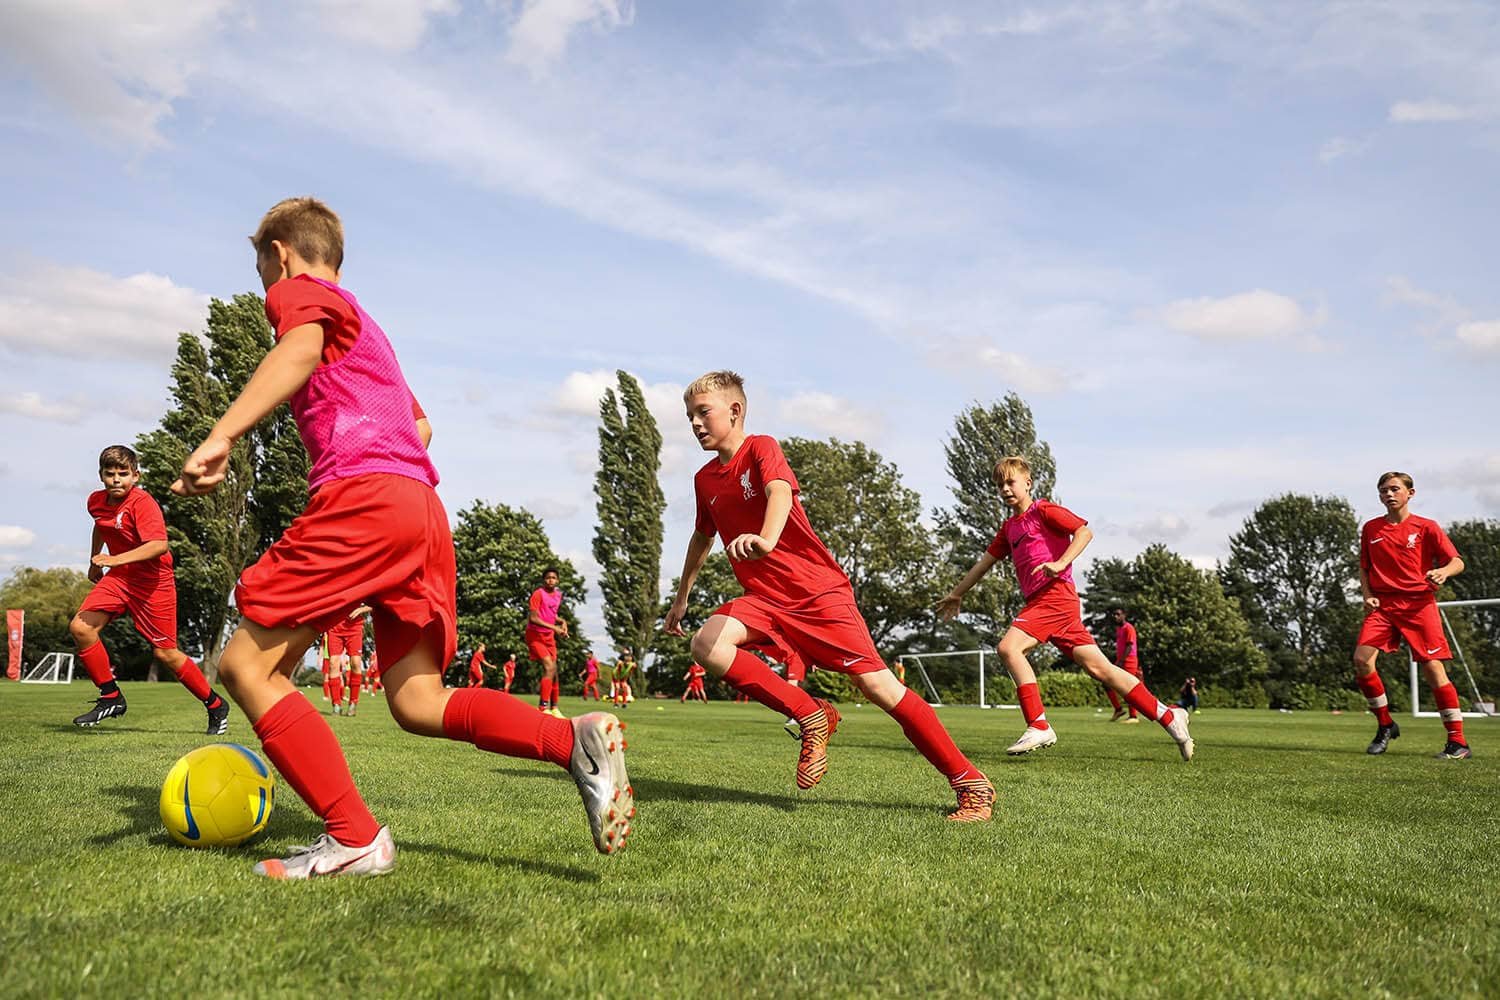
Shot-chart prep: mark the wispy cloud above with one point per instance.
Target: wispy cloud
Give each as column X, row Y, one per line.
column 79, row 312
column 31, row 404
column 13, row 536
column 827, row 414
column 1421, row 112
column 1255, row 315
column 1480, row 337
column 541, row 32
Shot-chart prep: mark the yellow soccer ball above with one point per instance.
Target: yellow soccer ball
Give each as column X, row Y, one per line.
column 219, row 795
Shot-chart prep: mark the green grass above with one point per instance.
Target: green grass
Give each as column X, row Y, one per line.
column 1282, row 862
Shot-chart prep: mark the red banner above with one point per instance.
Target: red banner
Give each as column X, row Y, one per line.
column 15, row 629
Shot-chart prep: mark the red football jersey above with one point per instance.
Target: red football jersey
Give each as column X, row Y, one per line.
column 1125, row 651
column 1396, row 557
column 732, row 502
column 695, row 672
column 129, row 524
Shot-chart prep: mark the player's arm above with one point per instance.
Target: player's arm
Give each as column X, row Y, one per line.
column 1081, row 539
column 1371, row 601
column 146, row 550
column 95, row 544
column 424, row 431
column 284, row 370
column 949, row 605
column 778, row 509
column 1441, row 575
column 699, row 547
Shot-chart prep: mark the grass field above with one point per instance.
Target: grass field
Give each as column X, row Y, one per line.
column 1282, row 862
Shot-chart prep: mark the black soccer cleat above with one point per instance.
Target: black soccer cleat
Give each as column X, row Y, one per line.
column 1383, row 737
column 104, row 708
column 1453, row 750
column 218, row 719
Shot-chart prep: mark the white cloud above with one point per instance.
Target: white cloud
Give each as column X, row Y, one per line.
column 1160, row 528
column 1340, row 147
column 15, row 537
column 1414, row 112
column 1483, row 337
column 977, row 357
column 1255, row 315
column 551, row 508
column 31, row 404
column 541, row 33
column 79, row 312
column 392, row 25
column 825, row 413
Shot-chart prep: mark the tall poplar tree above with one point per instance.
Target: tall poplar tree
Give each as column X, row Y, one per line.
column 628, row 537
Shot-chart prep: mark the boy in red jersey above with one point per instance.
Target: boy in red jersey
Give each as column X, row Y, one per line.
column 590, row 675
column 1127, row 658
column 1042, row 540
column 372, row 671
column 477, row 666
column 796, row 597
column 543, row 626
column 1403, row 559
column 694, row 677
column 373, row 521
column 508, row 668
column 128, row 522
column 346, row 648
column 327, row 666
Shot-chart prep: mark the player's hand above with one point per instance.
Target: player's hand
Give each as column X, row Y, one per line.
column 562, row 629
column 1052, row 569
column 96, row 573
column 747, row 547
column 1437, row 577
column 103, row 560
column 1372, row 603
column 675, row 614
column 948, row 607
column 205, row 468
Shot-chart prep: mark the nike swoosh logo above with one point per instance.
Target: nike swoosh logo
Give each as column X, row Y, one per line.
column 712, row 501
column 1434, row 649
column 1379, row 538
column 592, row 764
column 352, row 861
column 850, row 663
column 187, row 810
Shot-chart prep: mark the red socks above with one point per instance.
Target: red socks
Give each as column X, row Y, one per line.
column 303, row 748
column 1143, row 701
column 750, row 675
column 1371, row 686
column 499, row 723
column 95, row 660
column 1114, row 699
column 1031, row 706
column 192, row 678
column 356, row 681
column 920, row 724
column 336, row 692
column 1453, row 719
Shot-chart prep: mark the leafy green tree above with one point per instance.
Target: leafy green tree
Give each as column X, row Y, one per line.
column 501, row 552
column 216, row 536
column 50, row 598
column 628, row 538
column 1478, row 542
column 1294, row 567
column 982, row 435
column 871, row 523
column 1185, row 624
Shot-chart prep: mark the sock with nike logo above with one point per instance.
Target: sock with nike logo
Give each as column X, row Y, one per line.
column 920, row 724
column 504, row 724
column 302, row 746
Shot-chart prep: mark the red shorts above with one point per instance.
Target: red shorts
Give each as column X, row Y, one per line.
column 1416, row 621
column 828, row 631
column 1132, row 668
column 379, row 539
column 541, row 645
column 349, row 640
column 696, row 684
column 1055, row 616
column 796, row 667
column 152, row 608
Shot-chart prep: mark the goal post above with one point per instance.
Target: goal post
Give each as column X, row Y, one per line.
column 54, row 668
column 976, row 660
column 1485, row 708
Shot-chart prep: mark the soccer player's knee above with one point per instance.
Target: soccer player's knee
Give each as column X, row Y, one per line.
column 172, row 659
column 83, row 632
column 702, row 645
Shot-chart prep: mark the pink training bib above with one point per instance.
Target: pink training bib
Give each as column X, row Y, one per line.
column 1033, row 542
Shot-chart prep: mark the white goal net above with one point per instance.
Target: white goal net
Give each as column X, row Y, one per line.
column 1458, row 668
column 970, row 665
column 54, row 668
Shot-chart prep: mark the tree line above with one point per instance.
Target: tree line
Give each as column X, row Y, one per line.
column 1273, row 624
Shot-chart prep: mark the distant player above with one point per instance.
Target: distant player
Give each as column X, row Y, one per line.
column 1403, row 559
column 795, row 596
column 1187, row 698
column 694, row 677
column 590, row 675
column 543, row 626
column 477, row 666
column 619, row 689
column 346, row 650
column 139, row 582
column 508, row 669
column 372, row 672
column 1042, row 539
column 373, row 522
column 1127, row 658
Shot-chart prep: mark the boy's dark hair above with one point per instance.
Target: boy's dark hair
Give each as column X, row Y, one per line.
column 118, row 456
column 1117, row 608
column 553, row 571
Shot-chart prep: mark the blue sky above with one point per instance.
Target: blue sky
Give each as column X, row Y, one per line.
column 1224, row 249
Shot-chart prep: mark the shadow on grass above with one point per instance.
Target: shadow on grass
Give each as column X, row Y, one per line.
column 525, row 865
column 139, row 809
column 68, row 727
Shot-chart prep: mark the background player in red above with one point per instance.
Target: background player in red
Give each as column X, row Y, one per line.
column 372, row 671
column 1042, row 540
column 796, row 596
column 1403, row 559
column 128, row 523
column 508, row 668
column 477, row 666
column 346, row 650
column 327, row 662
column 694, row 689
column 543, row 626
column 374, row 521
column 1127, row 658
column 590, row 675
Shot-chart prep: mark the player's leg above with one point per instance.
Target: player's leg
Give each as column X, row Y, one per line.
column 84, row 628
column 1377, row 632
column 1446, row 697
column 192, row 678
column 1013, row 647
column 1092, row 659
column 1114, row 701
column 549, row 671
column 154, row 616
column 336, row 680
column 356, row 680
column 1134, row 712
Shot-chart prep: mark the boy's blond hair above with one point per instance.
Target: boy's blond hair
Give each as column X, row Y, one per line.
column 307, row 226
column 1010, row 463
column 1403, row 476
column 720, row 381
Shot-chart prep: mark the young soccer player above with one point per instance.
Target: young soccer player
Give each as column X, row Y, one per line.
column 346, row 646
column 1403, row 559
column 1127, row 658
column 372, row 671
column 795, row 596
column 590, row 675
column 327, row 666
column 543, row 626
column 373, row 520
column 508, row 668
column 129, row 524
column 1042, row 540
column 694, row 677
column 624, row 669
column 477, row 666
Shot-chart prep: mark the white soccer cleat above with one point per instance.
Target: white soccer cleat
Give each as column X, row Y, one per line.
column 598, row 768
column 326, row 856
column 1032, row 739
column 1178, row 730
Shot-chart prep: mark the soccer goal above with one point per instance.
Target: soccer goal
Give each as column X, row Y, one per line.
column 972, row 660
column 54, row 668
column 1486, row 708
